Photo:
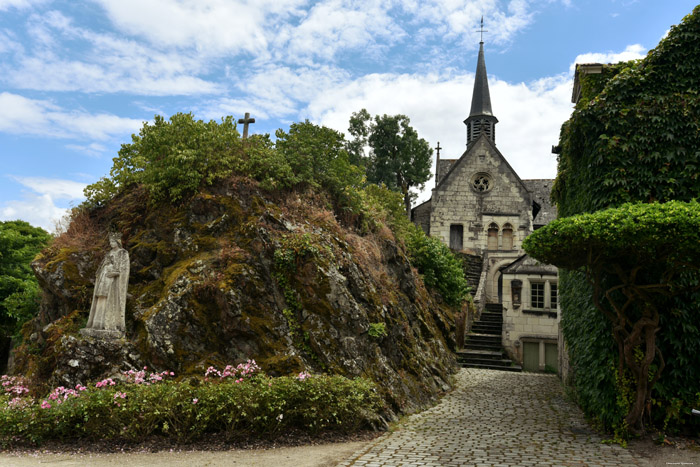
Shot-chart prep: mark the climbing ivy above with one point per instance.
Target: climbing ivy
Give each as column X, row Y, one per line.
column 634, row 136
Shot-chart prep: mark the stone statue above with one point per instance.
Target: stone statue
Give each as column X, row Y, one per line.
column 109, row 298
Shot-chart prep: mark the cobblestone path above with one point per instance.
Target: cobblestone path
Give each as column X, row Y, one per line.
column 496, row 418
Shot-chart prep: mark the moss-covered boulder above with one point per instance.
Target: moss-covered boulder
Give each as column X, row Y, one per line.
column 236, row 273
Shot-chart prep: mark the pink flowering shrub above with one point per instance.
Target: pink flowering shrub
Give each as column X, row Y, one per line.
column 14, row 385
column 151, row 403
column 142, row 376
column 238, row 373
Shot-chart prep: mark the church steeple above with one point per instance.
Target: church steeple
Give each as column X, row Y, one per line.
column 481, row 119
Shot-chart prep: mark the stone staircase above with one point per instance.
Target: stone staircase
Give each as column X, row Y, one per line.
column 482, row 347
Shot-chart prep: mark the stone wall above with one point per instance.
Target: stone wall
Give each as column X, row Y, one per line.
column 505, row 200
column 523, row 323
column 420, row 215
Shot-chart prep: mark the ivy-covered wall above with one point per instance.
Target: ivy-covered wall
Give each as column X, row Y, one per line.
column 634, row 136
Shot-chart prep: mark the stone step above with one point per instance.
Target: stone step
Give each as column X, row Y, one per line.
column 492, row 354
column 487, row 331
column 487, row 361
column 474, row 337
column 490, row 319
column 516, row 368
column 483, row 346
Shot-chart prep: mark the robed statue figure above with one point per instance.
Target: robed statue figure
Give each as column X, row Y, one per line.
column 107, row 314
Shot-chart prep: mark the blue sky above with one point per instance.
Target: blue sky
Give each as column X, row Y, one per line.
column 77, row 78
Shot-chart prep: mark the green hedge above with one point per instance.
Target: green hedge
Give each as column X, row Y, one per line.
column 185, row 411
column 634, row 136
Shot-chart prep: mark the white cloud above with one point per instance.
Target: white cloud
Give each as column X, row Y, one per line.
column 211, row 26
column 335, row 25
column 106, row 63
column 92, row 149
column 19, row 4
column 38, row 206
column 530, row 114
column 631, row 52
column 26, row 116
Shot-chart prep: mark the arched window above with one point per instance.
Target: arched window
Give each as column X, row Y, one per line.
column 492, row 237
column 507, row 237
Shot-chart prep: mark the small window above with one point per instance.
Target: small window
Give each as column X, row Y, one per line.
column 456, row 236
column 553, row 295
column 507, row 234
column 537, row 294
column 492, row 243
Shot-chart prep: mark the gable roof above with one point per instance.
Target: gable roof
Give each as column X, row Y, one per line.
column 469, row 150
column 528, row 265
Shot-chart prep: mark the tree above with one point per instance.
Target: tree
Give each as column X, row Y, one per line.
column 398, row 157
column 317, row 156
column 635, row 257
column 19, row 292
column 171, row 158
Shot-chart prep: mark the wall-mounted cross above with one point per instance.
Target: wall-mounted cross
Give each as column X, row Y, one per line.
column 246, row 121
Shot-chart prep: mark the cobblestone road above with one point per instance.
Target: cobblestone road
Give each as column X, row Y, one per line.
column 496, row 418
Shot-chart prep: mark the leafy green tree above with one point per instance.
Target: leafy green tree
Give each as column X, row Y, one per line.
column 398, row 157
column 19, row 292
column 317, row 156
column 172, row 158
column 635, row 257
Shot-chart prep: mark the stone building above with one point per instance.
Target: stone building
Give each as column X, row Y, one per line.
column 481, row 207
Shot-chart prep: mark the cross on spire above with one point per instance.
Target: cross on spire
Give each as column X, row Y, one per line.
column 246, row 121
column 438, row 150
column 482, row 30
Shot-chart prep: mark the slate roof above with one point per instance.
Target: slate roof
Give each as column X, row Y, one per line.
column 528, row 265
column 444, row 167
column 481, row 99
column 541, row 190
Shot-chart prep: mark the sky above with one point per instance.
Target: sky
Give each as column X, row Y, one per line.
column 79, row 77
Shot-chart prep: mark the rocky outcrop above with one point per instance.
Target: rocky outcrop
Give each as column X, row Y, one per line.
column 237, row 273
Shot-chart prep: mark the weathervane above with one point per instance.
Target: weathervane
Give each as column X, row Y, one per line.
column 482, row 30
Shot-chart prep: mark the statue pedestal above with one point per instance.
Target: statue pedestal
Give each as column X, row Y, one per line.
column 106, row 334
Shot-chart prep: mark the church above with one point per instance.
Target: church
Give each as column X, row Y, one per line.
column 482, row 209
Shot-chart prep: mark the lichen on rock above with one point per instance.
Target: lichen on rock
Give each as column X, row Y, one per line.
column 211, row 286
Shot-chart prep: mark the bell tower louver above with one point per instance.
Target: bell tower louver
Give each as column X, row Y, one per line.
column 481, row 119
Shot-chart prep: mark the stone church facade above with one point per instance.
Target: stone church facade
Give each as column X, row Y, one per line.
column 481, row 207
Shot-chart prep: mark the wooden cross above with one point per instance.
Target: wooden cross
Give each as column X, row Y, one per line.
column 246, row 121
column 438, row 150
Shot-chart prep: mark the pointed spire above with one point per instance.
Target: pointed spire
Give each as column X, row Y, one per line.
column 481, row 118
column 481, row 99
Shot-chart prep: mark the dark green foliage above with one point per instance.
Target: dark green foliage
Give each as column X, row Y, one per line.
column 192, row 409
column 317, row 156
column 592, row 357
column 635, row 136
column 172, row 159
column 19, row 291
column 663, row 238
column 398, row 157
column 439, row 267
column 633, row 257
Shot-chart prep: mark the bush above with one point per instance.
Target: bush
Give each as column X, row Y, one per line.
column 440, row 268
column 239, row 401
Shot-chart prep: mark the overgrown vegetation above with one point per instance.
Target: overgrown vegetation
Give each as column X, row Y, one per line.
column 19, row 290
column 172, row 159
column 236, row 401
column 634, row 137
column 634, row 257
column 397, row 158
